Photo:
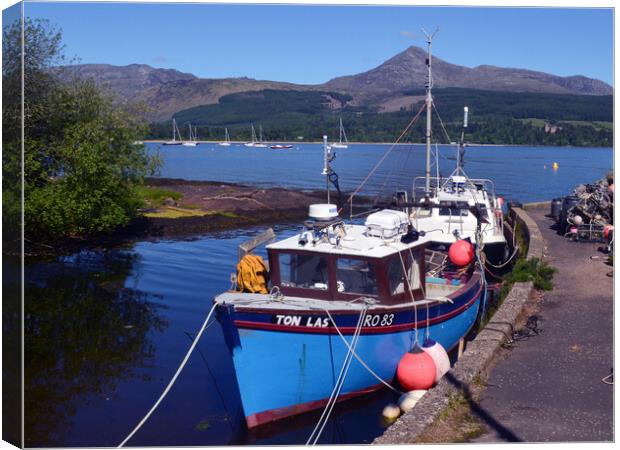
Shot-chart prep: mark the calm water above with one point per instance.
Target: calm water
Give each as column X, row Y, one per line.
column 106, row 330
column 519, row 173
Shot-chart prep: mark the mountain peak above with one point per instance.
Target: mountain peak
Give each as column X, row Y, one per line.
column 407, row 70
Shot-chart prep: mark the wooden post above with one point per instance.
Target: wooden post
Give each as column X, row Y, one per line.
column 461, row 347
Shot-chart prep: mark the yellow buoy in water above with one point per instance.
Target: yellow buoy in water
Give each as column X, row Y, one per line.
column 555, row 166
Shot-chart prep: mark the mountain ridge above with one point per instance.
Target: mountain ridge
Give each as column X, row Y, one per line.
column 167, row 91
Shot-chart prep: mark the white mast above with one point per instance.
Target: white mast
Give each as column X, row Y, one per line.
column 429, row 108
column 326, row 169
column 459, row 153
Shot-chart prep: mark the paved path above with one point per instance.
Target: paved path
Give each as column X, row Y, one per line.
column 549, row 387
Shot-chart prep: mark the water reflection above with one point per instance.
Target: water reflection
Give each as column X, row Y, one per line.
column 84, row 333
column 107, row 330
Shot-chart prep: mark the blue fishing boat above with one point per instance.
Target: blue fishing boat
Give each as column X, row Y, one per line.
column 335, row 308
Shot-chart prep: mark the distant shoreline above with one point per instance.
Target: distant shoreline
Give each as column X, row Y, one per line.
column 161, row 141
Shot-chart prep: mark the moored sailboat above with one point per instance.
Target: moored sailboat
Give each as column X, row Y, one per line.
column 260, row 142
column 253, row 141
column 226, row 142
column 175, row 133
column 192, row 137
column 341, row 143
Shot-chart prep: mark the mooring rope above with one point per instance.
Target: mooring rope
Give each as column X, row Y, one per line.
column 415, row 308
column 359, row 359
column 316, row 433
column 174, row 378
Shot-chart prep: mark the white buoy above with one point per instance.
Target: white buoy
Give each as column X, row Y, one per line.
column 440, row 357
column 391, row 412
column 407, row 401
column 577, row 220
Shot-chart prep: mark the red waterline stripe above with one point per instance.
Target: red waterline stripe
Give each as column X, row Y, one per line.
column 265, row 417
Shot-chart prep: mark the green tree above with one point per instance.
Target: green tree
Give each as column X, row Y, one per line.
column 81, row 163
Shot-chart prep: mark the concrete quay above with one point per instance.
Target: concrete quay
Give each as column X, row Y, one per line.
column 547, row 388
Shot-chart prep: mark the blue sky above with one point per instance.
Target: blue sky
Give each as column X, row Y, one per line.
column 312, row 44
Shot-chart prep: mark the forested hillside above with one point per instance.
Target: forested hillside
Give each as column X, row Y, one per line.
column 495, row 117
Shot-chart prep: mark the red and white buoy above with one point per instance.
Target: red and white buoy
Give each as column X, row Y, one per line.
column 440, row 357
column 608, row 231
column 461, row 252
column 416, row 370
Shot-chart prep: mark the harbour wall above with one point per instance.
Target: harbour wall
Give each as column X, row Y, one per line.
column 479, row 354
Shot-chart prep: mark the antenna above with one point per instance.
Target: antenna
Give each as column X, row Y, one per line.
column 429, row 107
column 460, row 155
column 326, row 160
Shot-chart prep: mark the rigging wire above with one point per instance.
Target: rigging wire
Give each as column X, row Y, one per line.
column 442, row 125
column 415, row 308
column 374, row 169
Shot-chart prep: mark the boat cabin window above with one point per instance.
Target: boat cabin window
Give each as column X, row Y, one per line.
column 304, row 271
column 396, row 273
column 453, row 212
column 356, row 276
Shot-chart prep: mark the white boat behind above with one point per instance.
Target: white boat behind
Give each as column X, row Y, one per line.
column 457, row 207
column 340, row 143
column 226, row 142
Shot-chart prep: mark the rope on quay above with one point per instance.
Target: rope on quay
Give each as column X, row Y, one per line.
column 174, row 378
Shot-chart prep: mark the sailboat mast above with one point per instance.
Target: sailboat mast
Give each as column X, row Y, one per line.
column 174, row 130
column 429, row 108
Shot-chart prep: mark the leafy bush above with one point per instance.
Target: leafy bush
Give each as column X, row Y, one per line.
column 81, row 163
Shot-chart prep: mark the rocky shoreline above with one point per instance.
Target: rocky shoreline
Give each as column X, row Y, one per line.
column 203, row 207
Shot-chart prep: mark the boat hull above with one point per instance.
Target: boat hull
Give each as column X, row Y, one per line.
column 284, row 370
